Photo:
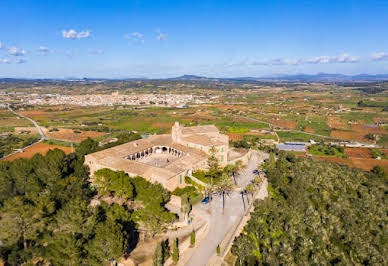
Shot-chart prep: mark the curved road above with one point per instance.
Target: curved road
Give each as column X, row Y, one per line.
column 42, row 135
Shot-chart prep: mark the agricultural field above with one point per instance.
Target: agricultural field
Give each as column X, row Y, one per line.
column 246, row 113
column 41, row 148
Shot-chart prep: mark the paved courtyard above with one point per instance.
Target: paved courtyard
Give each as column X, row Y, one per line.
column 159, row 160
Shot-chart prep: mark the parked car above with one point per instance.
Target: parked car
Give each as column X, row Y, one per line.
column 256, row 172
column 205, row 200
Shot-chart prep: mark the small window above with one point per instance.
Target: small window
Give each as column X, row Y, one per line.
column 180, row 179
column 222, row 149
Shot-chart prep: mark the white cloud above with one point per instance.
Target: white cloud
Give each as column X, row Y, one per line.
column 73, row 34
column 4, row 61
column 161, row 36
column 343, row 58
column 16, row 51
column 135, row 36
column 20, row 61
column 379, row 56
column 278, row 62
column 1, row 45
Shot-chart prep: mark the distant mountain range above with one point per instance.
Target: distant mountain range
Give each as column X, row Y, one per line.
column 320, row 77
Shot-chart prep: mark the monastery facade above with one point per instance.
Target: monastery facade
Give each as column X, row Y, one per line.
column 165, row 159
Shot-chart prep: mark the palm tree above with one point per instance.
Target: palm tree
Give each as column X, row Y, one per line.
column 223, row 187
column 234, row 169
column 251, row 189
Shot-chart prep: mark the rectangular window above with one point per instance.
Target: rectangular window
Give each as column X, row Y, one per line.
column 180, row 179
column 222, row 149
column 222, row 158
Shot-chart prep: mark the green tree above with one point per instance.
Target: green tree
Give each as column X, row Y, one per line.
column 251, row 189
column 21, row 221
column 175, row 251
column 87, row 146
column 218, row 250
column 157, row 258
column 116, row 183
column 223, row 187
column 192, row 239
column 212, row 161
column 316, row 212
column 107, row 244
column 378, row 171
column 234, row 169
column 63, row 249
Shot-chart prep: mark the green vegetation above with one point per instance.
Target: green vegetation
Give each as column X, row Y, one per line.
column 239, row 127
column 383, row 141
column 10, row 142
column 59, row 142
column 46, row 217
column 317, row 212
column 296, row 136
column 316, row 122
column 153, row 217
column 115, row 184
column 188, row 193
column 375, row 153
column 192, row 239
column 190, row 181
column 175, row 251
column 161, row 253
column 327, row 150
column 372, row 104
column 7, row 129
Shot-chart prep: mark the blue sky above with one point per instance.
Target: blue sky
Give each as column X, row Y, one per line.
column 119, row 39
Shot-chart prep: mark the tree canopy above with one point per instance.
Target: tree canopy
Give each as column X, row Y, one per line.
column 45, row 215
column 317, row 213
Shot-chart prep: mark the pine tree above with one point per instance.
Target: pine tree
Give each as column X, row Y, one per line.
column 218, row 250
column 175, row 251
column 157, row 258
column 192, row 239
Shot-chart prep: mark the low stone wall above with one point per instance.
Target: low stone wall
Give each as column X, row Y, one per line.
column 244, row 158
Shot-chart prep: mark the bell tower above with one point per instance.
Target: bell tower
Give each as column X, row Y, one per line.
column 176, row 132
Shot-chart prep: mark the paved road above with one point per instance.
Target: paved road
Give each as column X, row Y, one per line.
column 221, row 224
column 42, row 136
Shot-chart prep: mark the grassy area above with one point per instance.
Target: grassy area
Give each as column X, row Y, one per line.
column 375, row 153
column 357, row 116
column 326, row 150
column 239, row 127
column 383, row 141
column 188, row 193
column 7, row 129
column 296, row 136
column 316, row 122
column 60, row 143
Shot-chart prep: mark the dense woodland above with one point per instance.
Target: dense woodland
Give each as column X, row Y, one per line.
column 46, row 216
column 317, row 213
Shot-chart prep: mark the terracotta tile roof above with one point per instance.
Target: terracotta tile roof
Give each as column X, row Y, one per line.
column 199, row 130
column 203, row 140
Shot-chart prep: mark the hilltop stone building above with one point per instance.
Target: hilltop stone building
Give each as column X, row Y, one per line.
column 166, row 159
